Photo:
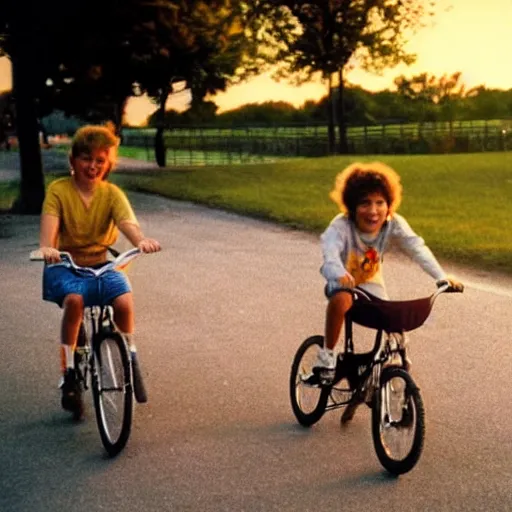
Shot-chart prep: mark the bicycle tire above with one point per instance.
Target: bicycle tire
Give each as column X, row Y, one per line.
column 112, row 391
column 405, row 416
column 298, row 389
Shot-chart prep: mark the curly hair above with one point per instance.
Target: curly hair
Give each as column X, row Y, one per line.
column 360, row 179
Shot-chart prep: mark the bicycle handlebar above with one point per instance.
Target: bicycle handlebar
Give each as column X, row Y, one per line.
column 119, row 262
column 444, row 288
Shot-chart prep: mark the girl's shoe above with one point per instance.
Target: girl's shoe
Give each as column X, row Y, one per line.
column 72, row 394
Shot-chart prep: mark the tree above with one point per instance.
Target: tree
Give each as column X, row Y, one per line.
column 58, row 50
column 7, row 120
column 204, row 44
column 420, row 91
column 332, row 35
column 23, row 36
column 434, row 98
column 488, row 104
column 65, row 56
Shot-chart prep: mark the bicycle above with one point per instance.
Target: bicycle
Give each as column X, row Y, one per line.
column 379, row 378
column 103, row 362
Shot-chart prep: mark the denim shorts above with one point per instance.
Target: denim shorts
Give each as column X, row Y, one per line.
column 59, row 281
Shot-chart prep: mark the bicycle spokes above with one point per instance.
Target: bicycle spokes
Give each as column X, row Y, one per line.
column 398, row 421
column 112, row 392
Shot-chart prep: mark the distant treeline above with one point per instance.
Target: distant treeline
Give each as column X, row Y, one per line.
column 427, row 103
column 361, row 108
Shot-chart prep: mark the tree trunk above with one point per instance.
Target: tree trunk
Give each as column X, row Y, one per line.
column 342, row 127
column 330, row 119
column 160, row 152
column 31, row 194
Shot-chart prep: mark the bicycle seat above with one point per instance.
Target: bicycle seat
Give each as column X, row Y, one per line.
column 389, row 315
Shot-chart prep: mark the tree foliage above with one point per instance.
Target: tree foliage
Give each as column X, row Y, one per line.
column 333, row 34
column 363, row 107
column 86, row 58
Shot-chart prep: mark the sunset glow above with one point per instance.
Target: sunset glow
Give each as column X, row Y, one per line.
column 472, row 36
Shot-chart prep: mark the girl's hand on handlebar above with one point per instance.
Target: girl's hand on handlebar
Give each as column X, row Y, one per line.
column 50, row 254
column 347, row 281
column 148, row 245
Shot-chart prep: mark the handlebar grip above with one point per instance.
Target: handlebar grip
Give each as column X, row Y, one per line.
column 445, row 286
column 36, row 255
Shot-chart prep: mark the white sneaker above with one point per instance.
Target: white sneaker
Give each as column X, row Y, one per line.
column 325, row 366
column 326, row 359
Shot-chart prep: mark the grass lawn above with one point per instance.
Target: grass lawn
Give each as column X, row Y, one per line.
column 8, row 192
column 460, row 203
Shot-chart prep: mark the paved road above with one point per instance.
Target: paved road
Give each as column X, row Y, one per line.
column 221, row 312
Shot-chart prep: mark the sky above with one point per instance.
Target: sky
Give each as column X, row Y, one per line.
column 470, row 36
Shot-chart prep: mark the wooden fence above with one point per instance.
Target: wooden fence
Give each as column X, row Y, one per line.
column 206, row 145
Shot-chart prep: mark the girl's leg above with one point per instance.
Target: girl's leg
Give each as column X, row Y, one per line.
column 337, row 307
column 73, row 306
column 123, row 313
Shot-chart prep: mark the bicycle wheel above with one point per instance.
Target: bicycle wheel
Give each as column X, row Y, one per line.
column 398, row 421
column 112, row 391
column 308, row 402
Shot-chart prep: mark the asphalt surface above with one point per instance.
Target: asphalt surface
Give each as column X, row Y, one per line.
column 220, row 313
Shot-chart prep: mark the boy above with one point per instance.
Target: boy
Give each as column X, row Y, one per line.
column 353, row 246
column 83, row 214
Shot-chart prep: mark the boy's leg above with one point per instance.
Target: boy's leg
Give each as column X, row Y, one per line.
column 337, row 307
column 339, row 303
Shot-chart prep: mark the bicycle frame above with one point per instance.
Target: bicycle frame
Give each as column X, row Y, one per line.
column 96, row 319
column 380, row 378
column 363, row 370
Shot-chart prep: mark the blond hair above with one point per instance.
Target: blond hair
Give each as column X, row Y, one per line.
column 91, row 137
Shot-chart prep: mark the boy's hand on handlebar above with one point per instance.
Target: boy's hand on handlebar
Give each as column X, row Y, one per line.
column 347, row 281
column 453, row 284
column 148, row 245
column 50, row 254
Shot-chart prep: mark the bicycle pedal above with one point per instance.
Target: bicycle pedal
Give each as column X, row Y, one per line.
column 327, row 380
column 311, row 380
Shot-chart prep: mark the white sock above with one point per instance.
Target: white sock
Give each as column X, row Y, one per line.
column 69, row 356
column 128, row 336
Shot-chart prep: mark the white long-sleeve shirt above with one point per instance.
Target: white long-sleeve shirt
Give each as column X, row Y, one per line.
column 345, row 249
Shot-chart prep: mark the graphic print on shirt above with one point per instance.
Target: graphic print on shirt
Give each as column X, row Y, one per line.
column 363, row 266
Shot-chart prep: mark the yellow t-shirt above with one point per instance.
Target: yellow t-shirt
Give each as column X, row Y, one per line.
column 86, row 231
